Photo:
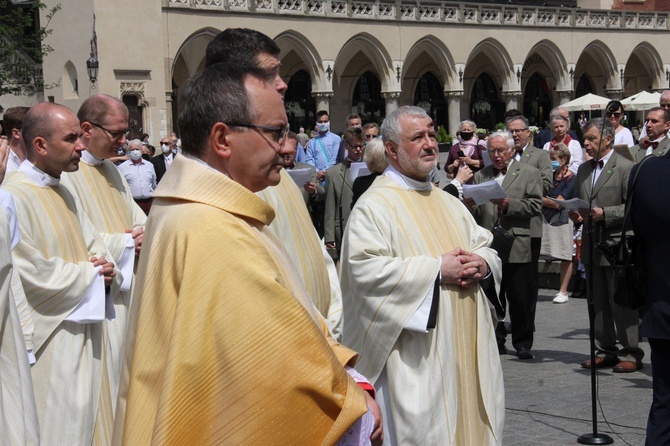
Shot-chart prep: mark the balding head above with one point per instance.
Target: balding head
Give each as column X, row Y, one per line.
column 98, row 107
column 104, row 122
column 52, row 136
column 665, row 100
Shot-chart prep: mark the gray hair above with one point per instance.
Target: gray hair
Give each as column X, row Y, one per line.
column 517, row 118
column 557, row 111
column 375, row 156
column 562, row 151
column 468, row 122
column 217, row 94
column 391, row 125
column 135, row 143
column 560, row 118
column 507, row 136
column 607, row 130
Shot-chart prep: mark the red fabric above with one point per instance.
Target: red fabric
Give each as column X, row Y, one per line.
column 367, row 387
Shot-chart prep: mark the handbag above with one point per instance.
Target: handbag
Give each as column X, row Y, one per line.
column 628, row 260
column 502, row 241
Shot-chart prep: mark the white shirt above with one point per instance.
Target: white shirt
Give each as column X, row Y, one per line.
column 141, row 178
column 599, row 169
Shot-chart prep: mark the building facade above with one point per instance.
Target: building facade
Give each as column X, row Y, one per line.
column 457, row 60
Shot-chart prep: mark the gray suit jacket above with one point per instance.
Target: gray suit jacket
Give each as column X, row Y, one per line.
column 523, row 185
column 640, row 150
column 539, row 159
column 609, row 193
column 339, row 192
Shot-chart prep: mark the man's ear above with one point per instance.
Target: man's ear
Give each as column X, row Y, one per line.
column 220, row 140
column 86, row 129
column 40, row 146
column 391, row 150
column 16, row 133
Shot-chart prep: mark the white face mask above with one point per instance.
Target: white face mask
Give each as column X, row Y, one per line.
column 135, row 155
column 323, row 126
column 166, row 149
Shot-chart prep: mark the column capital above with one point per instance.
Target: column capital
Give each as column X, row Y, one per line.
column 322, row 94
column 564, row 93
column 390, row 94
column 512, row 94
column 455, row 94
column 614, row 92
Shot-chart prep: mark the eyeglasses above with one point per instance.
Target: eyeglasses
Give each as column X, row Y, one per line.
column 357, row 146
column 515, row 131
column 497, row 151
column 664, row 105
column 613, row 115
column 280, row 132
column 118, row 134
column 370, row 136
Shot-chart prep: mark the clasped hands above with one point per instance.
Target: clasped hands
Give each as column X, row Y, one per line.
column 462, row 268
column 107, row 269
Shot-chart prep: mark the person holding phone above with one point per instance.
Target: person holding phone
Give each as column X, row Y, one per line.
column 466, row 151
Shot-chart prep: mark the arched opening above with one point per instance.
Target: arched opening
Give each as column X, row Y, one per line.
column 299, row 103
column 367, row 98
column 584, row 87
column 537, row 100
column 486, row 108
column 70, row 81
column 429, row 96
column 135, row 121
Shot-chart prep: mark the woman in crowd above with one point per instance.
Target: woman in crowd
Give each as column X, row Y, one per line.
column 560, row 126
column 467, row 150
column 557, row 228
column 621, row 134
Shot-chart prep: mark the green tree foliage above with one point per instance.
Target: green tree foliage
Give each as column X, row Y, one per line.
column 22, row 47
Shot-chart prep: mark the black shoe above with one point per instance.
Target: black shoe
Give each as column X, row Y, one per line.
column 501, row 349
column 524, row 353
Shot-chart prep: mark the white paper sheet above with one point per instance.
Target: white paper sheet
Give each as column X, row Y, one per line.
column 300, row 176
column 92, row 307
column 126, row 263
column 484, row 192
column 358, row 170
column 572, row 204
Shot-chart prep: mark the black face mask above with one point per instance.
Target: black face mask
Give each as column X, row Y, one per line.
column 465, row 136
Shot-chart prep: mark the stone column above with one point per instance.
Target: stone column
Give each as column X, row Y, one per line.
column 391, row 100
column 512, row 99
column 563, row 96
column 454, row 110
column 614, row 94
column 322, row 100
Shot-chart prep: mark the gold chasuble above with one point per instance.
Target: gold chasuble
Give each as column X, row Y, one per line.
column 106, row 198
column 18, row 414
column 53, row 260
column 294, row 229
column 224, row 345
column 443, row 387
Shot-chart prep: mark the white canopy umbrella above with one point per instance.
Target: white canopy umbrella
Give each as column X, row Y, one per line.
column 586, row 103
column 642, row 101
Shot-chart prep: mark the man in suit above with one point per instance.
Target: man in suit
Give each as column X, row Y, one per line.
column 163, row 161
column 523, row 185
column 657, row 142
column 608, row 173
column 526, row 153
column 339, row 192
column 650, row 215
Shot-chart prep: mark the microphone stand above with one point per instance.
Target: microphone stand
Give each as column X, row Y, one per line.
column 594, row 437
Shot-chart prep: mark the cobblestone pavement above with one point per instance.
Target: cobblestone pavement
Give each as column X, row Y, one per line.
column 548, row 399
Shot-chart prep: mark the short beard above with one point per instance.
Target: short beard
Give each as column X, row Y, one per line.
column 414, row 165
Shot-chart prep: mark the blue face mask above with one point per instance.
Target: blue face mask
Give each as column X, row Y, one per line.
column 555, row 165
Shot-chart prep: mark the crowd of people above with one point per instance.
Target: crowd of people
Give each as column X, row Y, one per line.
column 266, row 293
